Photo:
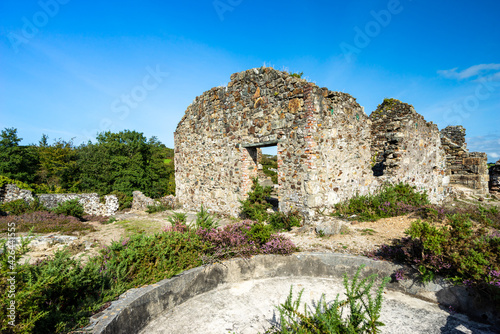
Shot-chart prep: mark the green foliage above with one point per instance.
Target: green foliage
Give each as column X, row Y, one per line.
column 285, row 221
column 157, row 208
column 70, row 208
column 177, row 218
column 296, row 75
column 58, row 164
column 16, row 162
column 268, row 162
column 457, row 250
column 260, row 233
column 255, row 206
column 59, row 294
column 5, row 180
column 392, row 200
column 126, row 161
column 205, row 220
column 362, row 316
column 20, row 206
column 124, row 200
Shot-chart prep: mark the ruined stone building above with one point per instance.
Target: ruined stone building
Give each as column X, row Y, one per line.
column 328, row 148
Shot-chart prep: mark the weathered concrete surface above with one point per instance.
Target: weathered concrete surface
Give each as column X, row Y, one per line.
column 249, row 307
column 138, row 307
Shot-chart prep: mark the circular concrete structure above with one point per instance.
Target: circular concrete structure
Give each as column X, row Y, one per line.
column 240, row 296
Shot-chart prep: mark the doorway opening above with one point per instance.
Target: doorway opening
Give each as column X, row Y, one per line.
column 264, row 166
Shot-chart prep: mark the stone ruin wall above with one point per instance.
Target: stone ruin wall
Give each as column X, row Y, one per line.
column 463, row 167
column 406, row 148
column 216, row 142
column 90, row 202
column 495, row 178
column 324, row 143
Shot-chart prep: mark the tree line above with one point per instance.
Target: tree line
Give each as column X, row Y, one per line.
column 116, row 162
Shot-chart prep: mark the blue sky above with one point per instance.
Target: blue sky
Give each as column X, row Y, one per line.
column 73, row 68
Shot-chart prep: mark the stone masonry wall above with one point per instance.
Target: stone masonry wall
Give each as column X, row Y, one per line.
column 90, row 202
column 406, row 148
column 11, row 192
column 463, row 167
column 494, row 172
column 328, row 148
column 217, row 139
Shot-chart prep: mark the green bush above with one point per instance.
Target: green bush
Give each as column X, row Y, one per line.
column 21, row 185
column 59, row 294
column 458, row 250
column 391, row 201
column 124, row 200
column 260, row 233
column 20, row 206
column 157, row 208
column 70, row 208
column 255, row 206
column 362, row 316
column 205, row 220
column 285, row 221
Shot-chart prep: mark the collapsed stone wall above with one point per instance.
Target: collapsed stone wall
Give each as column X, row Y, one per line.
column 216, row 143
column 406, row 148
column 141, row 202
column 326, row 145
column 90, row 202
column 463, row 167
column 494, row 172
column 11, row 192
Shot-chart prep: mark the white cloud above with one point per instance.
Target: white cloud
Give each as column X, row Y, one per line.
column 473, row 71
column 489, row 144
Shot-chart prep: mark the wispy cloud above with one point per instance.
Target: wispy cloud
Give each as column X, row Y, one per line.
column 486, row 70
column 489, row 144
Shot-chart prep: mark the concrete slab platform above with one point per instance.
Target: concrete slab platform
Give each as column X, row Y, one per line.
column 249, row 307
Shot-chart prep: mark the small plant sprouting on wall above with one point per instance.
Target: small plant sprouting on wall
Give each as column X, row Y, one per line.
column 296, row 74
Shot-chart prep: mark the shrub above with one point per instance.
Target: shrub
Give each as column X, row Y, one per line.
column 205, row 220
column 124, row 200
column 44, row 222
column 70, row 208
column 255, row 206
column 20, row 206
column 21, row 185
column 458, row 251
column 362, row 316
column 281, row 221
column 157, row 208
column 260, row 233
column 392, row 200
column 59, row 294
column 245, row 238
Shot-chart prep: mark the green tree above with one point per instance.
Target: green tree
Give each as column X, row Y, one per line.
column 126, row 161
column 58, row 165
column 17, row 162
